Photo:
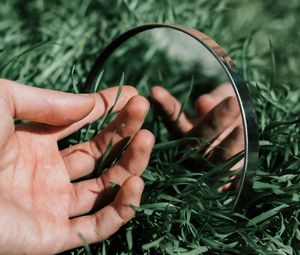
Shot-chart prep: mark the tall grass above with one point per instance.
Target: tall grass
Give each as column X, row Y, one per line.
column 53, row 44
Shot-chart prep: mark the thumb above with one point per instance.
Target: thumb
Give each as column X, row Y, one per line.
column 44, row 105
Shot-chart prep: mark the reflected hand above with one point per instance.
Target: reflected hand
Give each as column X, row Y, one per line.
column 41, row 210
column 218, row 120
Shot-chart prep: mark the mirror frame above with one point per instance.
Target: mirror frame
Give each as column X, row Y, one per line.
column 240, row 88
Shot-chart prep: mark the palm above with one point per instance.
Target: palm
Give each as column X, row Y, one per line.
column 41, row 192
column 42, row 210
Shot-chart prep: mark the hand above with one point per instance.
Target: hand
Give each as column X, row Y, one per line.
column 218, row 121
column 41, row 210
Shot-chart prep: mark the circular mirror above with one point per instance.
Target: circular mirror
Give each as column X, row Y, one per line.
column 201, row 114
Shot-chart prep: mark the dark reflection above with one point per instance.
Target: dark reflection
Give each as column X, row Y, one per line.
column 195, row 116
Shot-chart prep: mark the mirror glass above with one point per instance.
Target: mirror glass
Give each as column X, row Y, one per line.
column 195, row 116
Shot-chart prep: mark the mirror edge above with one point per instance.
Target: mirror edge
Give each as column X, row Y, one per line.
column 241, row 90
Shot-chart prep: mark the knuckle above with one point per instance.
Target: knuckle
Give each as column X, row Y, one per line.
column 96, row 148
column 213, row 124
column 100, row 183
column 120, row 221
column 96, row 221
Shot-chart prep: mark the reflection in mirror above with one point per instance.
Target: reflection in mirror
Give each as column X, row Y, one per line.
column 195, row 116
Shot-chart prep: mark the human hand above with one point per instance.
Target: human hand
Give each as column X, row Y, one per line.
column 41, row 210
column 218, row 121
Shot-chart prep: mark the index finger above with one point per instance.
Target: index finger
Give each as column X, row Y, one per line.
column 104, row 100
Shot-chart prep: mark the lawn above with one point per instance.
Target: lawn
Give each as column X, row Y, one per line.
column 53, row 44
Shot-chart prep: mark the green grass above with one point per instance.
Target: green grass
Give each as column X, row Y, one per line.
column 53, row 44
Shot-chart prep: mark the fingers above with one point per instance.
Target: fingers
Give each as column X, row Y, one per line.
column 45, row 106
column 222, row 91
column 224, row 134
column 104, row 100
column 132, row 117
column 207, row 102
column 217, row 120
column 81, row 159
column 230, row 146
column 169, row 108
column 102, row 224
column 89, row 194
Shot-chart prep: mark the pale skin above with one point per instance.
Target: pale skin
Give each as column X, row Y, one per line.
column 42, row 210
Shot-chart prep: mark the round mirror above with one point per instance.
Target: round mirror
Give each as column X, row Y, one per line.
column 201, row 114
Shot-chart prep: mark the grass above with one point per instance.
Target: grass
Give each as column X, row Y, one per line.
column 53, row 44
